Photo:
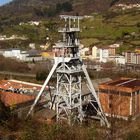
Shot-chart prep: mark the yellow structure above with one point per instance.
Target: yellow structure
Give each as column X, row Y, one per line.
column 48, row 55
column 46, row 46
column 137, row 50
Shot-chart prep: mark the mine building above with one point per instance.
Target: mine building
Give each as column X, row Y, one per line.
column 19, row 95
column 121, row 98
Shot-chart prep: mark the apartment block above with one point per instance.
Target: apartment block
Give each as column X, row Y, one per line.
column 132, row 57
column 103, row 53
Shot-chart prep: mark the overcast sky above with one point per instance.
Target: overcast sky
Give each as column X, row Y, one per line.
column 4, row 1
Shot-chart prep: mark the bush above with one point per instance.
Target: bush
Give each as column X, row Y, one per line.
column 66, row 7
column 133, row 136
column 4, row 112
column 12, row 65
column 41, row 76
column 52, row 11
column 138, row 24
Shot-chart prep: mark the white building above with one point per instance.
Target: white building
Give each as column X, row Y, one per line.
column 132, row 57
column 83, row 50
column 22, row 55
column 36, row 23
column 12, row 53
column 102, row 54
column 127, row 6
column 107, row 53
column 2, row 37
column 95, row 52
column 120, row 60
column 32, row 45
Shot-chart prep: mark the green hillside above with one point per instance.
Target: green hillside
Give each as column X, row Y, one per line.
column 103, row 28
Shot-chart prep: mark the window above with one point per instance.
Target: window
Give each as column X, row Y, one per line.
column 110, row 105
column 110, row 97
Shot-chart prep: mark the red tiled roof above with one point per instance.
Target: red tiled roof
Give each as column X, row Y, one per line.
column 11, row 99
column 9, row 87
column 6, row 84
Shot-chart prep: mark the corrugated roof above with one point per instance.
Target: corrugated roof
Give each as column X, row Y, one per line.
column 130, row 83
column 133, row 84
column 114, row 83
column 122, row 84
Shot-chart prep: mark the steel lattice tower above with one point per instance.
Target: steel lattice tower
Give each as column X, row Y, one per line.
column 70, row 69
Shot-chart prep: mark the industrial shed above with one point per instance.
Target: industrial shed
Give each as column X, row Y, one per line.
column 20, row 95
column 121, row 98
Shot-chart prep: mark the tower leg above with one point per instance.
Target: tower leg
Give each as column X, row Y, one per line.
column 103, row 117
column 43, row 87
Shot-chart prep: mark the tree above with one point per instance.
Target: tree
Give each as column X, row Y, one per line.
column 58, row 7
column 66, row 6
column 51, row 12
column 113, row 2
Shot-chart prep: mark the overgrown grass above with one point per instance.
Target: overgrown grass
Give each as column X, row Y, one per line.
column 34, row 130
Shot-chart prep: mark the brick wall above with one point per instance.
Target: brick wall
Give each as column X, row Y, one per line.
column 115, row 104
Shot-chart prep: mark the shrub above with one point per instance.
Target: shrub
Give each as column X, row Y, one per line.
column 4, row 112
column 133, row 136
column 41, row 76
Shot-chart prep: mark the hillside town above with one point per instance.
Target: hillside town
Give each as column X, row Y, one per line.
column 101, row 54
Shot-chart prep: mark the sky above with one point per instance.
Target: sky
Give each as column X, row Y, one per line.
column 4, row 1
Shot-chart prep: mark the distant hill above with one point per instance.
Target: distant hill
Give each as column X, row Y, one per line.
column 20, row 10
column 27, row 9
column 40, row 7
